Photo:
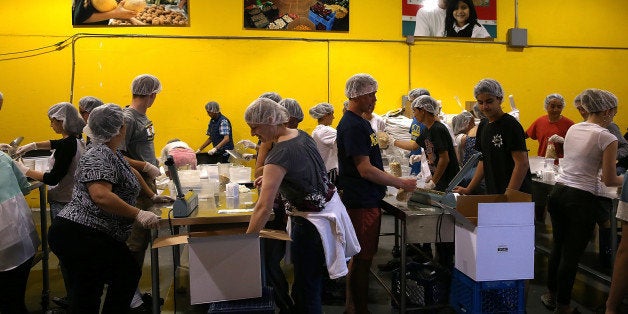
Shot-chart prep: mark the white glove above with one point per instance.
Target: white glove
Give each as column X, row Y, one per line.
column 198, row 151
column 248, row 144
column 556, row 139
column 147, row 219
column 414, row 158
column 21, row 166
column 26, row 148
column 212, row 151
column 161, row 199
column 151, row 170
column 247, row 156
column 430, row 185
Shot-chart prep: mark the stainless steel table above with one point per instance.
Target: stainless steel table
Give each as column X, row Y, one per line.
column 45, row 252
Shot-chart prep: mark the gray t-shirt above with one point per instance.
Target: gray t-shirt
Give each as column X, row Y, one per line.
column 305, row 187
column 138, row 143
column 100, row 163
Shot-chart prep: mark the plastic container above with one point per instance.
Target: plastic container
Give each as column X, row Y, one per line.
column 425, row 285
column 264, row 304
column 240, row 174
column 469, row 296
column 317, row 19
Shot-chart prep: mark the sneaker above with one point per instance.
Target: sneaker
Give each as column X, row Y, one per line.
column 61, row 302
column 549, row 301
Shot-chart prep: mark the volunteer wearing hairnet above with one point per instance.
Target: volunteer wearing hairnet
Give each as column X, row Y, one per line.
column 19, row 240
column 325, row 137
column 86, row 105
column 363, row 180
column 550, row 129
column 589, row 148
column 271, row 95
column 89, row 234
column 416, row 128
column 501, row 140
column 462, row 124
column 219, row 134
column 295, row 169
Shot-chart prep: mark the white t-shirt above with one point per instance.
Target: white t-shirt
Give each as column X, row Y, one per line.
column 430, row 22
column 584, row 145
column 325, row 138
column 378, row 124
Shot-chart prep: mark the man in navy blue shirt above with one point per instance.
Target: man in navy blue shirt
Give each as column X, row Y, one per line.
column 363, row 182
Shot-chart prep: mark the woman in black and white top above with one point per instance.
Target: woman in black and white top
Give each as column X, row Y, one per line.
column 89, row 234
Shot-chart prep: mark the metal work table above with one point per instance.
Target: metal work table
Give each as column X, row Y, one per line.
column 45, row 252
column 415, row 223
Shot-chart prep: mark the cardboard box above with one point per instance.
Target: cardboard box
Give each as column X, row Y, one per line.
column 501, row 244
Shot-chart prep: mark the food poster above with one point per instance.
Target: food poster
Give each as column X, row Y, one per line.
column 297, row 15
column 486, row 10
column 130, row 13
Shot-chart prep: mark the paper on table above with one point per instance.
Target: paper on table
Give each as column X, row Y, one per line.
column 235, row 210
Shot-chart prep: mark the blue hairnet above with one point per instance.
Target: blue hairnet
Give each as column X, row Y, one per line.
column 104, row 123
column 72, row 121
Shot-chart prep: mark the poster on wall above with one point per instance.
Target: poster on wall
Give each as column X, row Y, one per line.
column 449, row 18
column 297, row 15
column 130, row 13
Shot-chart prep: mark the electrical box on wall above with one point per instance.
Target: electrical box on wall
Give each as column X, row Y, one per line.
column 517, row 37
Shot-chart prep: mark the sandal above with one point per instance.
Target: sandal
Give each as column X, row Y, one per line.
column 549, row 301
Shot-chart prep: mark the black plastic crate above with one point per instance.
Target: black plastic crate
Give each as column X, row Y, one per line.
column 262, row 305
column 426, row 285
column 503, row 296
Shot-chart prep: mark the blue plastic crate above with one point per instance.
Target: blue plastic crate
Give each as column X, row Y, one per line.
column 317, row 19
column 262, row 305
column 469, row 296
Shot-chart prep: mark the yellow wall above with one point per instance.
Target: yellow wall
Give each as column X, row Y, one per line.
column 572, row 47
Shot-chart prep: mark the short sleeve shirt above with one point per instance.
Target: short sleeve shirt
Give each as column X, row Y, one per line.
column 357, row 138
column 436, row 140
column 305, row 184
column 140, row 133
column 100, row 163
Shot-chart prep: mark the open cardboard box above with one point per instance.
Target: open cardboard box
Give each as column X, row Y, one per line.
column 224, row 265
column 500, row 244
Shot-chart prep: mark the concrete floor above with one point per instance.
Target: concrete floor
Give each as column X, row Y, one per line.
column 589, row 295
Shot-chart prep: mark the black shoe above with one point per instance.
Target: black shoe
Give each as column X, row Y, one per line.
column 147, row 298
column 142, row 309
column 61, row 302
column 390, row 266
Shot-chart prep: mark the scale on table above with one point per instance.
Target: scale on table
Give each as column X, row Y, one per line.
column 184, row 204
column 447, row 200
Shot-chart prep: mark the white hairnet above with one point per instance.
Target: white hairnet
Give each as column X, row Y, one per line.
column 212, row 107
column 345, row 104
column 427, row 103
column 271, row 95
column 577, row 102
column 360, row 84
column 489, row 86
column 72, row 121
column 293, row 108
column 461, row 121
column 145, row 84
column 321, row 110
column 415, row 93
column 265, row 111
column 104, row 123
column 477, row 112
column 88, row 103
column 596, row 100
column 551, row 97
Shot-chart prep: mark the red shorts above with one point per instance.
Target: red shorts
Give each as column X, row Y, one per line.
column 366, row 222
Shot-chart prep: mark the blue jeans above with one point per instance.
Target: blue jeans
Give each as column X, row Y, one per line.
column 309, row 266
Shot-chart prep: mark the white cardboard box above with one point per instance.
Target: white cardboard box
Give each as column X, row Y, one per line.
column 225, row 267
column 501, row 246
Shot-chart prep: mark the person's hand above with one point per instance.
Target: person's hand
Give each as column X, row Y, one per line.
column 161, row 199
column 247, row 156
column 151, row 170
column 461, row 190
column 26, row 148
column 121, row 13
column 212, row 151
column 21, row 166
column 147, row 219
column 430, row 185
column 258, row 182
column 414, row 158
column 5, row 147
column 408, row 184
column 198, row 150
column 556, row 139
column 384, row 139
column 247, row 144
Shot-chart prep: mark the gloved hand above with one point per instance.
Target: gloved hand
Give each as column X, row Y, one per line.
column 212, row 151
column 414, row 158
column 147, row 219
column 430, row 185
column 247, row 156
column 21, row 166
column 161, row 199
column 556, row 139
column 152, row 170
column 5, row 147
column 26, row 148
column 248, row 144
column 198, row 150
